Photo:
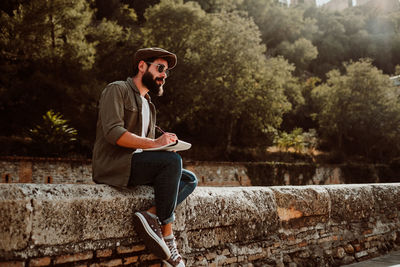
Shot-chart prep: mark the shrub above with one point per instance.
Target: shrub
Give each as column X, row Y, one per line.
column 297, row 140
column 53, row 136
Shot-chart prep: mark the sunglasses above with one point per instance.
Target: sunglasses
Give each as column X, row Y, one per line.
column 160, row 68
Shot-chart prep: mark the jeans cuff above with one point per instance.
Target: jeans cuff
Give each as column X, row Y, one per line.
column 168, row 220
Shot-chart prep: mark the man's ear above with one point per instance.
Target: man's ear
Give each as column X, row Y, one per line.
column 142, row 66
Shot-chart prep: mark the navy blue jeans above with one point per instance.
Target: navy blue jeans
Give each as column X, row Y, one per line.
column 163, row 170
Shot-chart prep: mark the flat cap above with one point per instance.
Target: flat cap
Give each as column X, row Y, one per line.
column 155, row 52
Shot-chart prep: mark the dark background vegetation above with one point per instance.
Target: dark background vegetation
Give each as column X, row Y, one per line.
column 251, row 74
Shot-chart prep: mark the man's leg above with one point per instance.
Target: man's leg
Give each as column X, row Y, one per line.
column 163, row 171
column 187, row 184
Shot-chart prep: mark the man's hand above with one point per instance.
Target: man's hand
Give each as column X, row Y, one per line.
column 165, row 139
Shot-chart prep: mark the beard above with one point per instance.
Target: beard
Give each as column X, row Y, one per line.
column 150, row 82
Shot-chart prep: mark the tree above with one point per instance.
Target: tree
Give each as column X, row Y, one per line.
column 300, row 53
column 278, row 23
column 45, row 62
column 216, row 6
column 353, row 34
column 52, row 29
column 222, row 75
column 140, row 7
column 304, row 107
column 330, row 40
column 360, row 111
column 116, row 10
column 116, row 40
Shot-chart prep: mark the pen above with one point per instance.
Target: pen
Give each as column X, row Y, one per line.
column 158, row 128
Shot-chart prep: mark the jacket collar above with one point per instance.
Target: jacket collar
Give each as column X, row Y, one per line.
column 135, row 89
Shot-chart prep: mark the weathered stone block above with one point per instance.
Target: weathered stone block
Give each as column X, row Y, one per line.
column 387, row 201
column 218, row 204
column 91, row 212
column 74, row 257
column 306, row 205
column 15, row 214
column 40, row 262
column 101, row 211
column 351, row 203
column 25, row 172
column 260, row 217
column 251, row 210
column 220, row 174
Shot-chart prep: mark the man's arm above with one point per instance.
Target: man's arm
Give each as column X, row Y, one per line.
column 131, row 140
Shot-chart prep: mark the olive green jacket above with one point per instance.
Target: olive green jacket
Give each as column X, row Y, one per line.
column 120, row 110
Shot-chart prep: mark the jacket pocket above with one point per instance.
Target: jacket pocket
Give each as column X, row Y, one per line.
column 131, row 119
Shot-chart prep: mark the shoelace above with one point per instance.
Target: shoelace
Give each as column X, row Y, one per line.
column 172, row 247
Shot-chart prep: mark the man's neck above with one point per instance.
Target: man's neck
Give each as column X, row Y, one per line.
column 138, row 82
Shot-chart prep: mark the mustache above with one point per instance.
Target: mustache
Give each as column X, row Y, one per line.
column 159, row 79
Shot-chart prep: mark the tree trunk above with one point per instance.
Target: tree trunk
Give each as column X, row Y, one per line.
column 52, row 27
column 228, row 147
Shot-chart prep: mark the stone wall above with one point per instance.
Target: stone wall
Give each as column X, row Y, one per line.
column 74, row 171
column 90, row 225
column 45, row 170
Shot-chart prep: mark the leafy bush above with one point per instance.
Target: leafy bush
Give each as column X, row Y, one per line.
column 297, row 140
column 53, row 136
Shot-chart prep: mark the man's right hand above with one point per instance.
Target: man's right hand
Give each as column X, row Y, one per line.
column 165, row 139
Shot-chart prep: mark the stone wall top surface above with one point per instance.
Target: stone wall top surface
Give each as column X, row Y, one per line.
column 43, row 215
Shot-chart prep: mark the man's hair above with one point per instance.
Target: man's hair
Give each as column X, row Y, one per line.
column 136, row 68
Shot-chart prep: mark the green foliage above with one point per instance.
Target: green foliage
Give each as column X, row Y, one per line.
column 46, row 59
column 222, row 75
column 215, row 6
column 115, row 10
column 360, row 110
column 139, row 7
column 300, row 53
column 110, row 36
column 304, row 107
column 354, row 34
column 53, row 136
column 276, row 22
column 246, row 69
column 51, row 30
column 297, row 140
column 397, row 70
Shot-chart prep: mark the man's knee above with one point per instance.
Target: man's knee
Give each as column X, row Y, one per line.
column 173, row 164
column 175, row 159
column 189, row 178
column 193, row 179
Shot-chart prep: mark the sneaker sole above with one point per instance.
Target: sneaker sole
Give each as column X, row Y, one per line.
column 166, row 264
column 152, row 241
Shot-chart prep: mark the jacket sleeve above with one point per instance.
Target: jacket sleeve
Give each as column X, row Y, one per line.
column 111, row 112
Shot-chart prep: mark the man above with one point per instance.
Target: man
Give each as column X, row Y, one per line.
column 125, row 127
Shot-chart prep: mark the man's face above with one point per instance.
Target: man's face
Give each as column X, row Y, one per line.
column 153, row 79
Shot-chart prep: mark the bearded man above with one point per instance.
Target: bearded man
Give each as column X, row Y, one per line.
column 125, row 128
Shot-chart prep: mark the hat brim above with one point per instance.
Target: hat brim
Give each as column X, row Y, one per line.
column 155, row 52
